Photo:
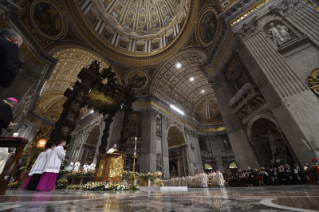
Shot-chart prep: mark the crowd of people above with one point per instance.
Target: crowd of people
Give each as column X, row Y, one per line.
column 279, row 174
column 45, row 170
column 200, row 180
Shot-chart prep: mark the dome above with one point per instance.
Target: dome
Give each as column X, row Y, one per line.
column 141, row 26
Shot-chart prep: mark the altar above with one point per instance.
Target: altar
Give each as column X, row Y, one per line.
column 110, row 167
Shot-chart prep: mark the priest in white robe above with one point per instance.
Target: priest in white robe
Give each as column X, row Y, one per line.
column 77, row 166
column 220, row 179
column 52, row 168
column 113, row 149
column 85, row 167
column 92, row 166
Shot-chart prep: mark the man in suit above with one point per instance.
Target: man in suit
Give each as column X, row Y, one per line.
column 10, row 42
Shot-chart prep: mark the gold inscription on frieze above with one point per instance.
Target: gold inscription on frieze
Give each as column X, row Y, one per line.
column 116, row 167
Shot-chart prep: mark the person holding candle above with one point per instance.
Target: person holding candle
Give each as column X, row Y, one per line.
column 113, row 149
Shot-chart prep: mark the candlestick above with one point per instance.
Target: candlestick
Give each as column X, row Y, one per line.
column 135, row 142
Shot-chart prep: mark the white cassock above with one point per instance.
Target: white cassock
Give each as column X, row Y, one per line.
column 92, row 167
column 220, row 179
column 85, row 167
column 54, row 161
column 4, row 156
column 111, row 150
column 77, row 166
column 214, row 179
column 39, row 164
column 71, row 165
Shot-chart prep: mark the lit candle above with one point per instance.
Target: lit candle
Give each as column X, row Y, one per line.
column 135, row 143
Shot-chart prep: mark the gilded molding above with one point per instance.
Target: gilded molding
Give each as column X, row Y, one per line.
column 97, row 41
column 152, row 103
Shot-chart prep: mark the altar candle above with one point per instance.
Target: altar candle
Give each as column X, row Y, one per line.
column 135, row 143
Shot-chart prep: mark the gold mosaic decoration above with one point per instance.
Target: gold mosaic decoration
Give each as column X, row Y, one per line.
column 102, row 165
column 116, row 167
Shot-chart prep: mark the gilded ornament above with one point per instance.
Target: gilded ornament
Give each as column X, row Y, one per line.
column 313, row 80
column 116, row 167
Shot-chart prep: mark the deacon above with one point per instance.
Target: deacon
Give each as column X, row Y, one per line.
column 37, row 169
column 113, row 149
column 52, row 168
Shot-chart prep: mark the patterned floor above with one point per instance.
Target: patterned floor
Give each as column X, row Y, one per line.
column 283, row 198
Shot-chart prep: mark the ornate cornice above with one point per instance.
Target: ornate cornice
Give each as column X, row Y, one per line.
column 286, row 7
column 98, row 43
column 162, row 106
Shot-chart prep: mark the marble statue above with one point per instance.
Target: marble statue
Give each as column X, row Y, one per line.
column 159, row 165
column 283, row 30
column 272, row 142
column 278, row 33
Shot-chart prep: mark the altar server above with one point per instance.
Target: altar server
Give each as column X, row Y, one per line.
column 52, row 168
column 85, row 167
column 77, row 166
column 35, row 173
column 72, row 165
column 92, row 166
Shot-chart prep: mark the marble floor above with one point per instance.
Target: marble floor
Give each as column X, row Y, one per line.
column 279, row 198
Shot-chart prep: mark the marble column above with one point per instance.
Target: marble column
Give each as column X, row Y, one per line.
column 148, row 145
column 165, row 155
column 242, row 149
column 216, row 142
column 293, row 104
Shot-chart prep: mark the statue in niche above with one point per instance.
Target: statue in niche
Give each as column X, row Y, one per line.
column 192, row 145
column 158, row 126
column 159, row 166
column 279, row 33
column 195, row 168
column 275, row 145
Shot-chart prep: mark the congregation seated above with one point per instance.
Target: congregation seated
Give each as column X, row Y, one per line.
column 269, row 176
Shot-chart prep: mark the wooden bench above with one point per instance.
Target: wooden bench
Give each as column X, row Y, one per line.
column 19, row 144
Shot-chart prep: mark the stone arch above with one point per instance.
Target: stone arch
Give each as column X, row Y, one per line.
column 269, row 117
column 175, row 137
column 93, row 137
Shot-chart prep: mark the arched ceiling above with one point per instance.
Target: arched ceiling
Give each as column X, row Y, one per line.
column 175, row 137
column 71, row 61
column 187, row 87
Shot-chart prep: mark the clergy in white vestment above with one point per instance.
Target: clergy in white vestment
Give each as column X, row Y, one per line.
column 220, row 179
column 52, row 168
column 4, row 156
column 37, row 170
column 35, row 173
column 71, row 165
column 85, row 167
column 92, row 166
column 113, row 149
column 77, row 166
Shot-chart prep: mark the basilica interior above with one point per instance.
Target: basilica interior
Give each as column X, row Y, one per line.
column 215, row 85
